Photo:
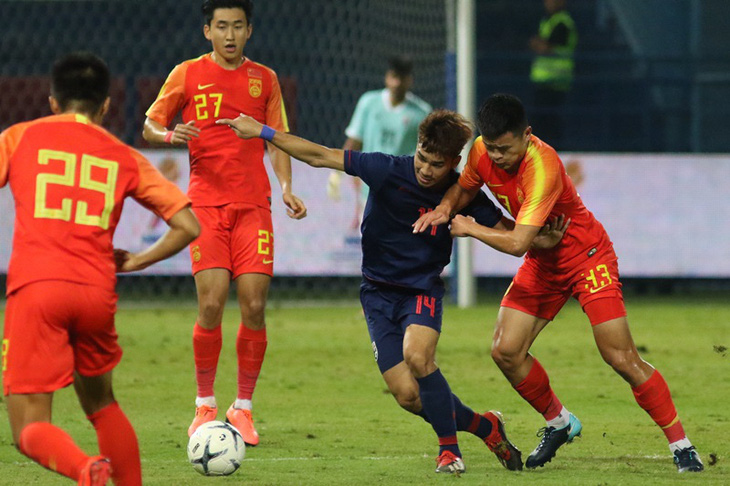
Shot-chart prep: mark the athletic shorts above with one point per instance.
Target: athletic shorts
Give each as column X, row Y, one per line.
column 238, row 237
column 53, row 328
column 389, row 311
column 542, row 294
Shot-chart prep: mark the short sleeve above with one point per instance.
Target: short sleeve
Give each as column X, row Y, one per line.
column 356, row 127
column 275, row 112
column 9, row 140
column 470, row 178
column 541, row 184
column 373, row 168
column 171, row 98
column 483, row 210
column 155, row 192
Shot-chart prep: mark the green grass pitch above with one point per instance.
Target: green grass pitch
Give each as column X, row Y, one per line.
column 325, row 417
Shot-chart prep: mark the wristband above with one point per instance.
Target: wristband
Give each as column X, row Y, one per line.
column 168, row 136
column 267, row 133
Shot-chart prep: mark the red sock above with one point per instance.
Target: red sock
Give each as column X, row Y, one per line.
column 52, row 448
column 118, row 442
column 654, row 397
column 535, row 389
column 206, row 349
column 251, row 347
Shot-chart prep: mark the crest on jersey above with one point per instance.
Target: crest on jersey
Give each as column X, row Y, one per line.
column 196, row 253
column 255, row 86
column 520, row 195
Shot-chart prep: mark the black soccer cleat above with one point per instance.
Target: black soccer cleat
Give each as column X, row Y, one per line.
column 507, row 453
column 687, row 460
column 552, row 439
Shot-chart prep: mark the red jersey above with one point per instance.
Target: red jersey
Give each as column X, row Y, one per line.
column 69, row 178
column 223, row 168
column 540, row 188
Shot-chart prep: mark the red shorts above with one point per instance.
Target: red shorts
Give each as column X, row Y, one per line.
column 542, row 294
column 53, row 328
column 238, row 237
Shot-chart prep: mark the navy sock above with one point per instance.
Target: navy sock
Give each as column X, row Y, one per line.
column 469, row 421
column 438, row 406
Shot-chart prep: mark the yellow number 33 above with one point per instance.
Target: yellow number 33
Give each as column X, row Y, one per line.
column 68, row 178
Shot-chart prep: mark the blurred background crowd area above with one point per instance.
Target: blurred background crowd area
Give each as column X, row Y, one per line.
column 650, row 75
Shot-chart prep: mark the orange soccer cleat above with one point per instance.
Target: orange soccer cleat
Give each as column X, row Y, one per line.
column 96, row 472
column 203, row 414
column 448, row 462
column 242, row 420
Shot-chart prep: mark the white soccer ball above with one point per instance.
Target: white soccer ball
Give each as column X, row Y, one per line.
column 216, row 449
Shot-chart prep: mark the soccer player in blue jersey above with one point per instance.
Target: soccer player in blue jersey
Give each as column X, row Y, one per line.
column 402, row 290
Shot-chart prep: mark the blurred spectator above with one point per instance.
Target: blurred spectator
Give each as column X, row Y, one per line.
column 552, row 69
column 385, row 120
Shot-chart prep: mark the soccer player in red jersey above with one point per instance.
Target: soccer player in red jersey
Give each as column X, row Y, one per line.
column 527, row 177
column 69, row 178
column 231, row 196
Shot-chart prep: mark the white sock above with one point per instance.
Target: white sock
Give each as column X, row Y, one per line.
column 561, row 420
column 207, row 401
column 679, row 445
column 243, row 404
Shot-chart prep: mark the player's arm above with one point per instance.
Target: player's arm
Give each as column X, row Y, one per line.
column 514, row 241
column 156, row 133
column 184, row 228
column 333, row 181
column 550, row 234
column 309, row 152
column 281, row 162
column 455, row 199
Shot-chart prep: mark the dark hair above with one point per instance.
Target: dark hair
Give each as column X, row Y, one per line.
column 82, row 79
column 444, row 132
column 501, row 113
column 209, row 7
column 400, row 65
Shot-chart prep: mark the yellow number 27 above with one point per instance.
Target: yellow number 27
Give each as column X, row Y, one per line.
column 88, row 163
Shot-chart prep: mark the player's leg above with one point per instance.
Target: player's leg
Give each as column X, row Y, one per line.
column 211, row 267
column 419, row 351
column 37, row 360
column 115, row 434
column 530, row 303
column 96, row 354
column 252, row 290
column 617, row 349
column 252, row 260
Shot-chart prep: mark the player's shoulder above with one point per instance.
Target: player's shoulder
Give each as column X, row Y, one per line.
column 258, row 69
column 418, row 103
column 478, row 148
column 541, row 152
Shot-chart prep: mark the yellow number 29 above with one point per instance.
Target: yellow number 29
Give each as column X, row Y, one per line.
column 68, row 178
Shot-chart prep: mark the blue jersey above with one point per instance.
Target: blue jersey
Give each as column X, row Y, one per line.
column 391, row 253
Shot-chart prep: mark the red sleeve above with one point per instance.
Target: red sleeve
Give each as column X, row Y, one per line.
column 541, row 185
column 275, row 111
column 171, row 98
column 155, row 192
column 9, row 140
column 470, row 178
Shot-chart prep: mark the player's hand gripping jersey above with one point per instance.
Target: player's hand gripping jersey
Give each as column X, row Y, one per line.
column 391, row 252
column 539, row 189
column 69, row 178
column 223, row 168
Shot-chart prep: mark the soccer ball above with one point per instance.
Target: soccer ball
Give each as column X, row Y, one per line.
column 216, row 449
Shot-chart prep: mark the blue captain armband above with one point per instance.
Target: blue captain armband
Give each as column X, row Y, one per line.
column 267, row 133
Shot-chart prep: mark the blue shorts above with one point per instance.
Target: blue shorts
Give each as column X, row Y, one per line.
column 389, row 311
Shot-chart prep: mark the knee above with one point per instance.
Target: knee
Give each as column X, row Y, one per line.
column 252, row 311
column 626, row 363
column 210, row 310
column 506, row 358
column 419, row 363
